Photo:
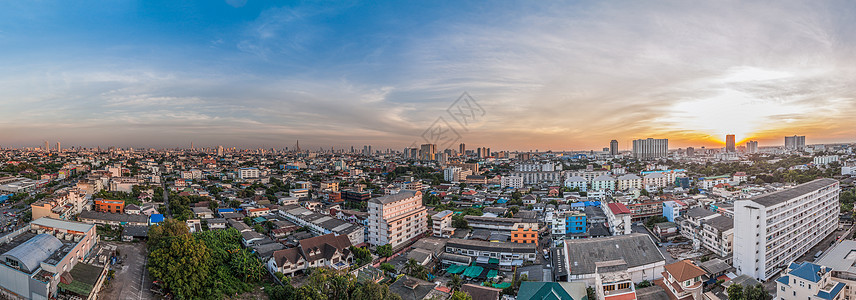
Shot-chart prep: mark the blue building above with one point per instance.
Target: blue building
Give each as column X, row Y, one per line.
column 575, row 223
column 672, row 209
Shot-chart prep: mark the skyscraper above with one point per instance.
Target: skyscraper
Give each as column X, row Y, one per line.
column 462, row 149
column 795, row 142
column 47, row 146
column 690, row 151
column 613, row 147
column 58, row 147
column 220, row 150
column 427, row 151
column 729, row 143
column 650, row 148
column 752, row 146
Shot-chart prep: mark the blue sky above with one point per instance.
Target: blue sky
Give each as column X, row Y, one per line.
column 560, row 75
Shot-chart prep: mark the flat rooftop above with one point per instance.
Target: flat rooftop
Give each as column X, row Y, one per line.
column 784, row 195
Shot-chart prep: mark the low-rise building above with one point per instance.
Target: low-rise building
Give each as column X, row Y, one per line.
column 579, row 257
column 111, row 219
column 323, row 224
column 109, row 206
column 683, row 280
column 809, row 281
column 34, row 258
column 618, row 217
column 328, row 250
column 507, row 254
column 442, row 224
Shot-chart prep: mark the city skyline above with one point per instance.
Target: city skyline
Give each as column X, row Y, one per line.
column 560, row 76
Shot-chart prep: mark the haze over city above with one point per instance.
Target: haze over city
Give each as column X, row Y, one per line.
column 554, row 75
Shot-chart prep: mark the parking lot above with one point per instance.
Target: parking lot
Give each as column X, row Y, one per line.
column 131, row 279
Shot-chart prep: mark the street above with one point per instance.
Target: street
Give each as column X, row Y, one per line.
column 131, row 280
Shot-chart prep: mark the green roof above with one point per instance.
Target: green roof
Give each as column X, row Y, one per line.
column 491, row 273
column 455, row 269
column 473, row 271
column 493, row 261
column 259, row 219
column 502, row 285
column 551, row 290
column 83, row 281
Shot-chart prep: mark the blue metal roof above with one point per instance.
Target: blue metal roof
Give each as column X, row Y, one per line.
column 784, row 280
column 809, row 271
column 156, row 218
column 831, row 294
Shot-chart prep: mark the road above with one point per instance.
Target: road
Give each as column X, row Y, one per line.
column 132, row 280
column 165, row 198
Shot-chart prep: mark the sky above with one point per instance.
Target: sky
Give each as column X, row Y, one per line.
column 513, row 75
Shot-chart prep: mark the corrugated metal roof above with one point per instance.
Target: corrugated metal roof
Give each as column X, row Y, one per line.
column 32, row 252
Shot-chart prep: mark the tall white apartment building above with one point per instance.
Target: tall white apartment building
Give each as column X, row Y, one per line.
column 777, row 228
column 650, row 148
column 245, row 173
column 449, row 173
column 397, row 218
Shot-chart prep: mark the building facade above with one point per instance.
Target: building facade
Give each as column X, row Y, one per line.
column 397, row 218
column 779, row 227
column 650, row 148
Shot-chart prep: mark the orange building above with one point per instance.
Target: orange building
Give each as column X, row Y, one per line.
column 525, row 233
column 110, row 206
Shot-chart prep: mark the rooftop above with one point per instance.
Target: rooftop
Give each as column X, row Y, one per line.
column 403, row 194
column 784, row 195
column 635, row 249
column 842, row 257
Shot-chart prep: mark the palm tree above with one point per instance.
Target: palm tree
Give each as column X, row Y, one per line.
column 410, row 266
column 456, row 282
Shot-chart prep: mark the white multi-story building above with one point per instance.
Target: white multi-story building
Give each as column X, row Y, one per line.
column 825, row 159
column 654, row 181
column 650, row 148
column 779, row 227
column 442, row 224
column 396, row 219
column 577, row 182
column 588, row 175
column 511, row 181
column 449, row 173
column 629, row 181
column 717, row 235
column 534, row 177
column 618, row 218
column 603, row 183
column 246, row 173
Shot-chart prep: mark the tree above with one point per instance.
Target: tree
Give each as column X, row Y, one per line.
column 735, row 291
column 387, row 267
column 458, row 221
column 384, row 250
column 410, row 266
column 458, row 295
column 456, row 282
column 362, row 255
column 182, row 263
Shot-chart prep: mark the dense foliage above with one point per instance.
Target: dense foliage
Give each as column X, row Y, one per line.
column 207, row 264
column 324, row 284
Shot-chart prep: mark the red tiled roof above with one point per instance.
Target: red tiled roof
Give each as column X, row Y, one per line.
column 618, row 208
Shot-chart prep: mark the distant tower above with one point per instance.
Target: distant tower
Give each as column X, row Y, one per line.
column 752, row 146
column 729, row 143
column 462, row 148
column 220, row 150
column 613, row 147
column 297, row 146
column 191, row 145
column 47, row 146
column 58, row 147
